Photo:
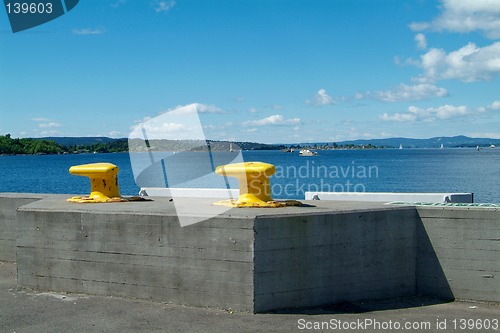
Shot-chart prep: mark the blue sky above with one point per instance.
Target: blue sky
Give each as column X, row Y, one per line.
column 263, row 70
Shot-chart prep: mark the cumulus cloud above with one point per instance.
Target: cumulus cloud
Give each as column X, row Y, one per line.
column 181, row 123
column 469, row 63
column 464, row 16
column 421, row 41
column 50, row 133
column 193, row 108
column 49, row 125
column 405, row 93
column 164, row 6
column 321, row 98
column 205, row 108
column 46, row 123
column 276, row 119
column 432, row 114
column 89, row 31
column 398, row 117
column 164, row 127
column 495, row 105
column 114, row 134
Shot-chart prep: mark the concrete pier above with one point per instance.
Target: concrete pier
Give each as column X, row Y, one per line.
column 256, row 260
column 9, row 202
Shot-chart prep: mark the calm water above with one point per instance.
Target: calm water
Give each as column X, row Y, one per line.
column 384, row 170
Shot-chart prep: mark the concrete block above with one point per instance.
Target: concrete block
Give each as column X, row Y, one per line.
column 246, row 259
column 258, row 259
column 348, row 256
column 9, row 202
column 458, row 253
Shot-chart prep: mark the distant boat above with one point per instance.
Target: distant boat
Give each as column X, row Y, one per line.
column 307, row 152
column 400, row 146
column 442, row 146
column 492, row 146
column 231, row 147
column 477, row 148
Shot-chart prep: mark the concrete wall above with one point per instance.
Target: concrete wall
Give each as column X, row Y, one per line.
column 139, row 254
column 253, row 259
column 9, row 202
column 459, row 253
column 330, row 258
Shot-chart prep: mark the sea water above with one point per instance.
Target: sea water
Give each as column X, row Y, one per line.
column 362, row 170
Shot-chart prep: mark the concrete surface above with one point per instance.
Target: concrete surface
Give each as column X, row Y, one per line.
column 459, row 252
column 9, row 202
column 246, row 259
column 24, row 311
column 336, row 257
column 445, row 252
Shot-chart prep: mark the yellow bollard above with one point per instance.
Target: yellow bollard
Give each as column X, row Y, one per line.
column 255, row 186
column 103, row 182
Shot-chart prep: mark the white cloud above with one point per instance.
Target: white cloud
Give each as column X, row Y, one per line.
column 164, row 6
column 252, row 110
column 193, row 108
column 273, row 120
column 89, row 31
column 359, row 95
column 495, row 105
column 398, row 117
column 50, row 133
column 321, row 98
column 432, row 114
column 160, row 129
column 464, row 16
column 114, row 134
column 491, row 135
column 205, row 108
column 41, row 119
column 421, row 41
column 118, row 3
column 469, row 63
column 405, row 93
column 49, row 125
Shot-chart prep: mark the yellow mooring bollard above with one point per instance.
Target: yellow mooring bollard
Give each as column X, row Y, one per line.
column 255, row 187
column 103, row 182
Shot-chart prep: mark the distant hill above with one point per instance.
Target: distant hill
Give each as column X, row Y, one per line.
column 88, row 141
column 80, row 141
column 447, row 142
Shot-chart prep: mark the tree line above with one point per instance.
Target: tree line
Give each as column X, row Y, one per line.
column 27, row 146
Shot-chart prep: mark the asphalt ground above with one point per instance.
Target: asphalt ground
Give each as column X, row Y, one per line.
column 24, row 310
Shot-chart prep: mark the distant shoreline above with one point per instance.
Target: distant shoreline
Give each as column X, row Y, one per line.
column 89, row 145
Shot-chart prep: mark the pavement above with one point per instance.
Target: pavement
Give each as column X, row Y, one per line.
column 32, row 311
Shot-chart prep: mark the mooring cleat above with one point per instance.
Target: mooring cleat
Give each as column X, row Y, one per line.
column 255, row 187
column 103, row 183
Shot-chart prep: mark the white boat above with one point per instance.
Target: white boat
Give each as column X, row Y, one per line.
column 307, row 152
column 492, row 146
column 442, row 146
column 400, row 146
